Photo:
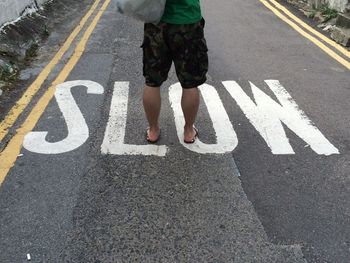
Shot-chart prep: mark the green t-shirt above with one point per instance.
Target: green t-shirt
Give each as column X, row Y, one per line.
column 182, row 12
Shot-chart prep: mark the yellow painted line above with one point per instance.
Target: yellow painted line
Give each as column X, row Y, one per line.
column 317, row 42
column 313, row 31
column 9, row 156
column 23, row 102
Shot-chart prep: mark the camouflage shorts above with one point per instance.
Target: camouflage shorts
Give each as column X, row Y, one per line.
column 184, row 45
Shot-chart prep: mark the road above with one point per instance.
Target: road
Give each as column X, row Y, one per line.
column 267, row 181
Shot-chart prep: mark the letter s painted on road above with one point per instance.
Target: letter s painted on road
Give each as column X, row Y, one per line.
column 78, row 131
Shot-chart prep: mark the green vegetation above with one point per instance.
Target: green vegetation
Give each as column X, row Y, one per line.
column 322, row 13
column 8, row 71
column 328, row 12
column 31, row 51
column 313, row 14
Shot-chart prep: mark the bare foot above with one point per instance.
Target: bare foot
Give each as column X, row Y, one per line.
column 153, row 134
column 190, row 134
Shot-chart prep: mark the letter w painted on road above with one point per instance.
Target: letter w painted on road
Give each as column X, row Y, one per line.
column 267, row 117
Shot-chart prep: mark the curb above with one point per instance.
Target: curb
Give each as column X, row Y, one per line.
column 20, row 41
column 336, row 31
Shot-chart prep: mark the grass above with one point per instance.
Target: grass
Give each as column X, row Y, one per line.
column 8, row 72
column 324, row 10
column 328, row 12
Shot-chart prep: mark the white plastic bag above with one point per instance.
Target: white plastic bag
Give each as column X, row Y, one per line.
column 148, row 11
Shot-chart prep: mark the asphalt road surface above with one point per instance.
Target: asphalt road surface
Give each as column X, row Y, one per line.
column 267, row 181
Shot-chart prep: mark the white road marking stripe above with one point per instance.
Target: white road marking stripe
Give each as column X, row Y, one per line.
column 113, row 142
column 78, row 131
column 266, row 115
column 226, row 136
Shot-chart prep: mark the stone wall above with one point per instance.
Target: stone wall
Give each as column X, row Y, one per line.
column 339, row 4
column 336, row 4
column 12, row 9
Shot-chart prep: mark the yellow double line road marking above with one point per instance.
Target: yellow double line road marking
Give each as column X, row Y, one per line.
column 310, row 29
column 313, row 39
column 23, row 102
column 9, row 155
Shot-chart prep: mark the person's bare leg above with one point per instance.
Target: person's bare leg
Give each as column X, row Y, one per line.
column 152, row 104
column 190, row 105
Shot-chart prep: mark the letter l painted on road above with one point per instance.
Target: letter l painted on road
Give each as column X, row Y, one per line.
column 113, row 142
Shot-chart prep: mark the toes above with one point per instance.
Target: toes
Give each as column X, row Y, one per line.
column 152, row 136
column 192, row 138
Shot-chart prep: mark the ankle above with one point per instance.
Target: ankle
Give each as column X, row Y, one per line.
column 188, row 127
column 154, row 128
